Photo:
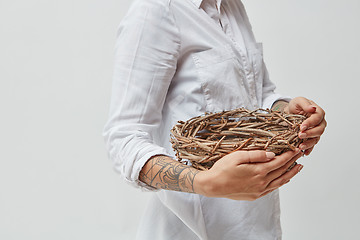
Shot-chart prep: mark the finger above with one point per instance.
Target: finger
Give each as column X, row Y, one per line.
column 267, row 192
column 314, row 119
column 276, row 183
column 256, row 156
column 273, row 189
column 280, row 160
column 314, row 132
column 308, row 151
column 282, row 170
column 310, row 143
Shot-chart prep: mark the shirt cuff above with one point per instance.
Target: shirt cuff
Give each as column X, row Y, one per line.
column 270, row 100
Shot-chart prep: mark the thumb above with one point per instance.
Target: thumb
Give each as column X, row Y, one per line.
column 309, row 108
column 256, row 156
column 302, row 105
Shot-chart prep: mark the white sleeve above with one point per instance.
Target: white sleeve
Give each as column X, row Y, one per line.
column 269, row 95
column 146, row 55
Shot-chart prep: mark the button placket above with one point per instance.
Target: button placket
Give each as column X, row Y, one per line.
column 249, row 75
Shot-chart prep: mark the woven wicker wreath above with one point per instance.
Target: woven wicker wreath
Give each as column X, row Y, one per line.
column 205, row 139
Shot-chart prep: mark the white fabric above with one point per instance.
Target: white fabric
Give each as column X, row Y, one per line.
column 176, row 59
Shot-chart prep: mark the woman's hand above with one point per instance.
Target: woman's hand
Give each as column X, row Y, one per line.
column 313, row 127
column 247, row 175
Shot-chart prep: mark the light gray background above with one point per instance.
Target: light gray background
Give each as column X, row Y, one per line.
column 56, row 61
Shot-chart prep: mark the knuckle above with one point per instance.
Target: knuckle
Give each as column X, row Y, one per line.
column 245, row 156
column 253, row 197
column 235, row 154
column 308, row 151
column 259, row 169
column 285, row 181
column 260, row 172
column 322, row 130
column 287, row 157
column 286, row 168
column 318, row 118
column 258, row 154
column 262, row 184
column 238, row 157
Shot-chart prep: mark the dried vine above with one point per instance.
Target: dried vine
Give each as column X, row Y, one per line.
column 205, row 139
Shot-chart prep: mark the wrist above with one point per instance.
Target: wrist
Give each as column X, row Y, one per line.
column 201, row 183
column 280, row 106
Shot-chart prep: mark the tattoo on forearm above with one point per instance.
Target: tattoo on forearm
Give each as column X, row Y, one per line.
column 171, row 175
column 279, row 106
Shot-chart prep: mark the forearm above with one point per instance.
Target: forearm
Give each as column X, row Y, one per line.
column 280, row 106
column 163, row 172
column 256, row 177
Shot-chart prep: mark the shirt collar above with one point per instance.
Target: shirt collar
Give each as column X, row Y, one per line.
column 198, row 2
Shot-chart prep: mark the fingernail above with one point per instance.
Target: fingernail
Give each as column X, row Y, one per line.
column 270, row 155
column 302, row 146
column 303, row 127
column 300, row 168
column 302, row 135
column 287, row 181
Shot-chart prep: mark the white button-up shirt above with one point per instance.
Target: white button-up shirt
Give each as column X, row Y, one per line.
column 176, row 59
